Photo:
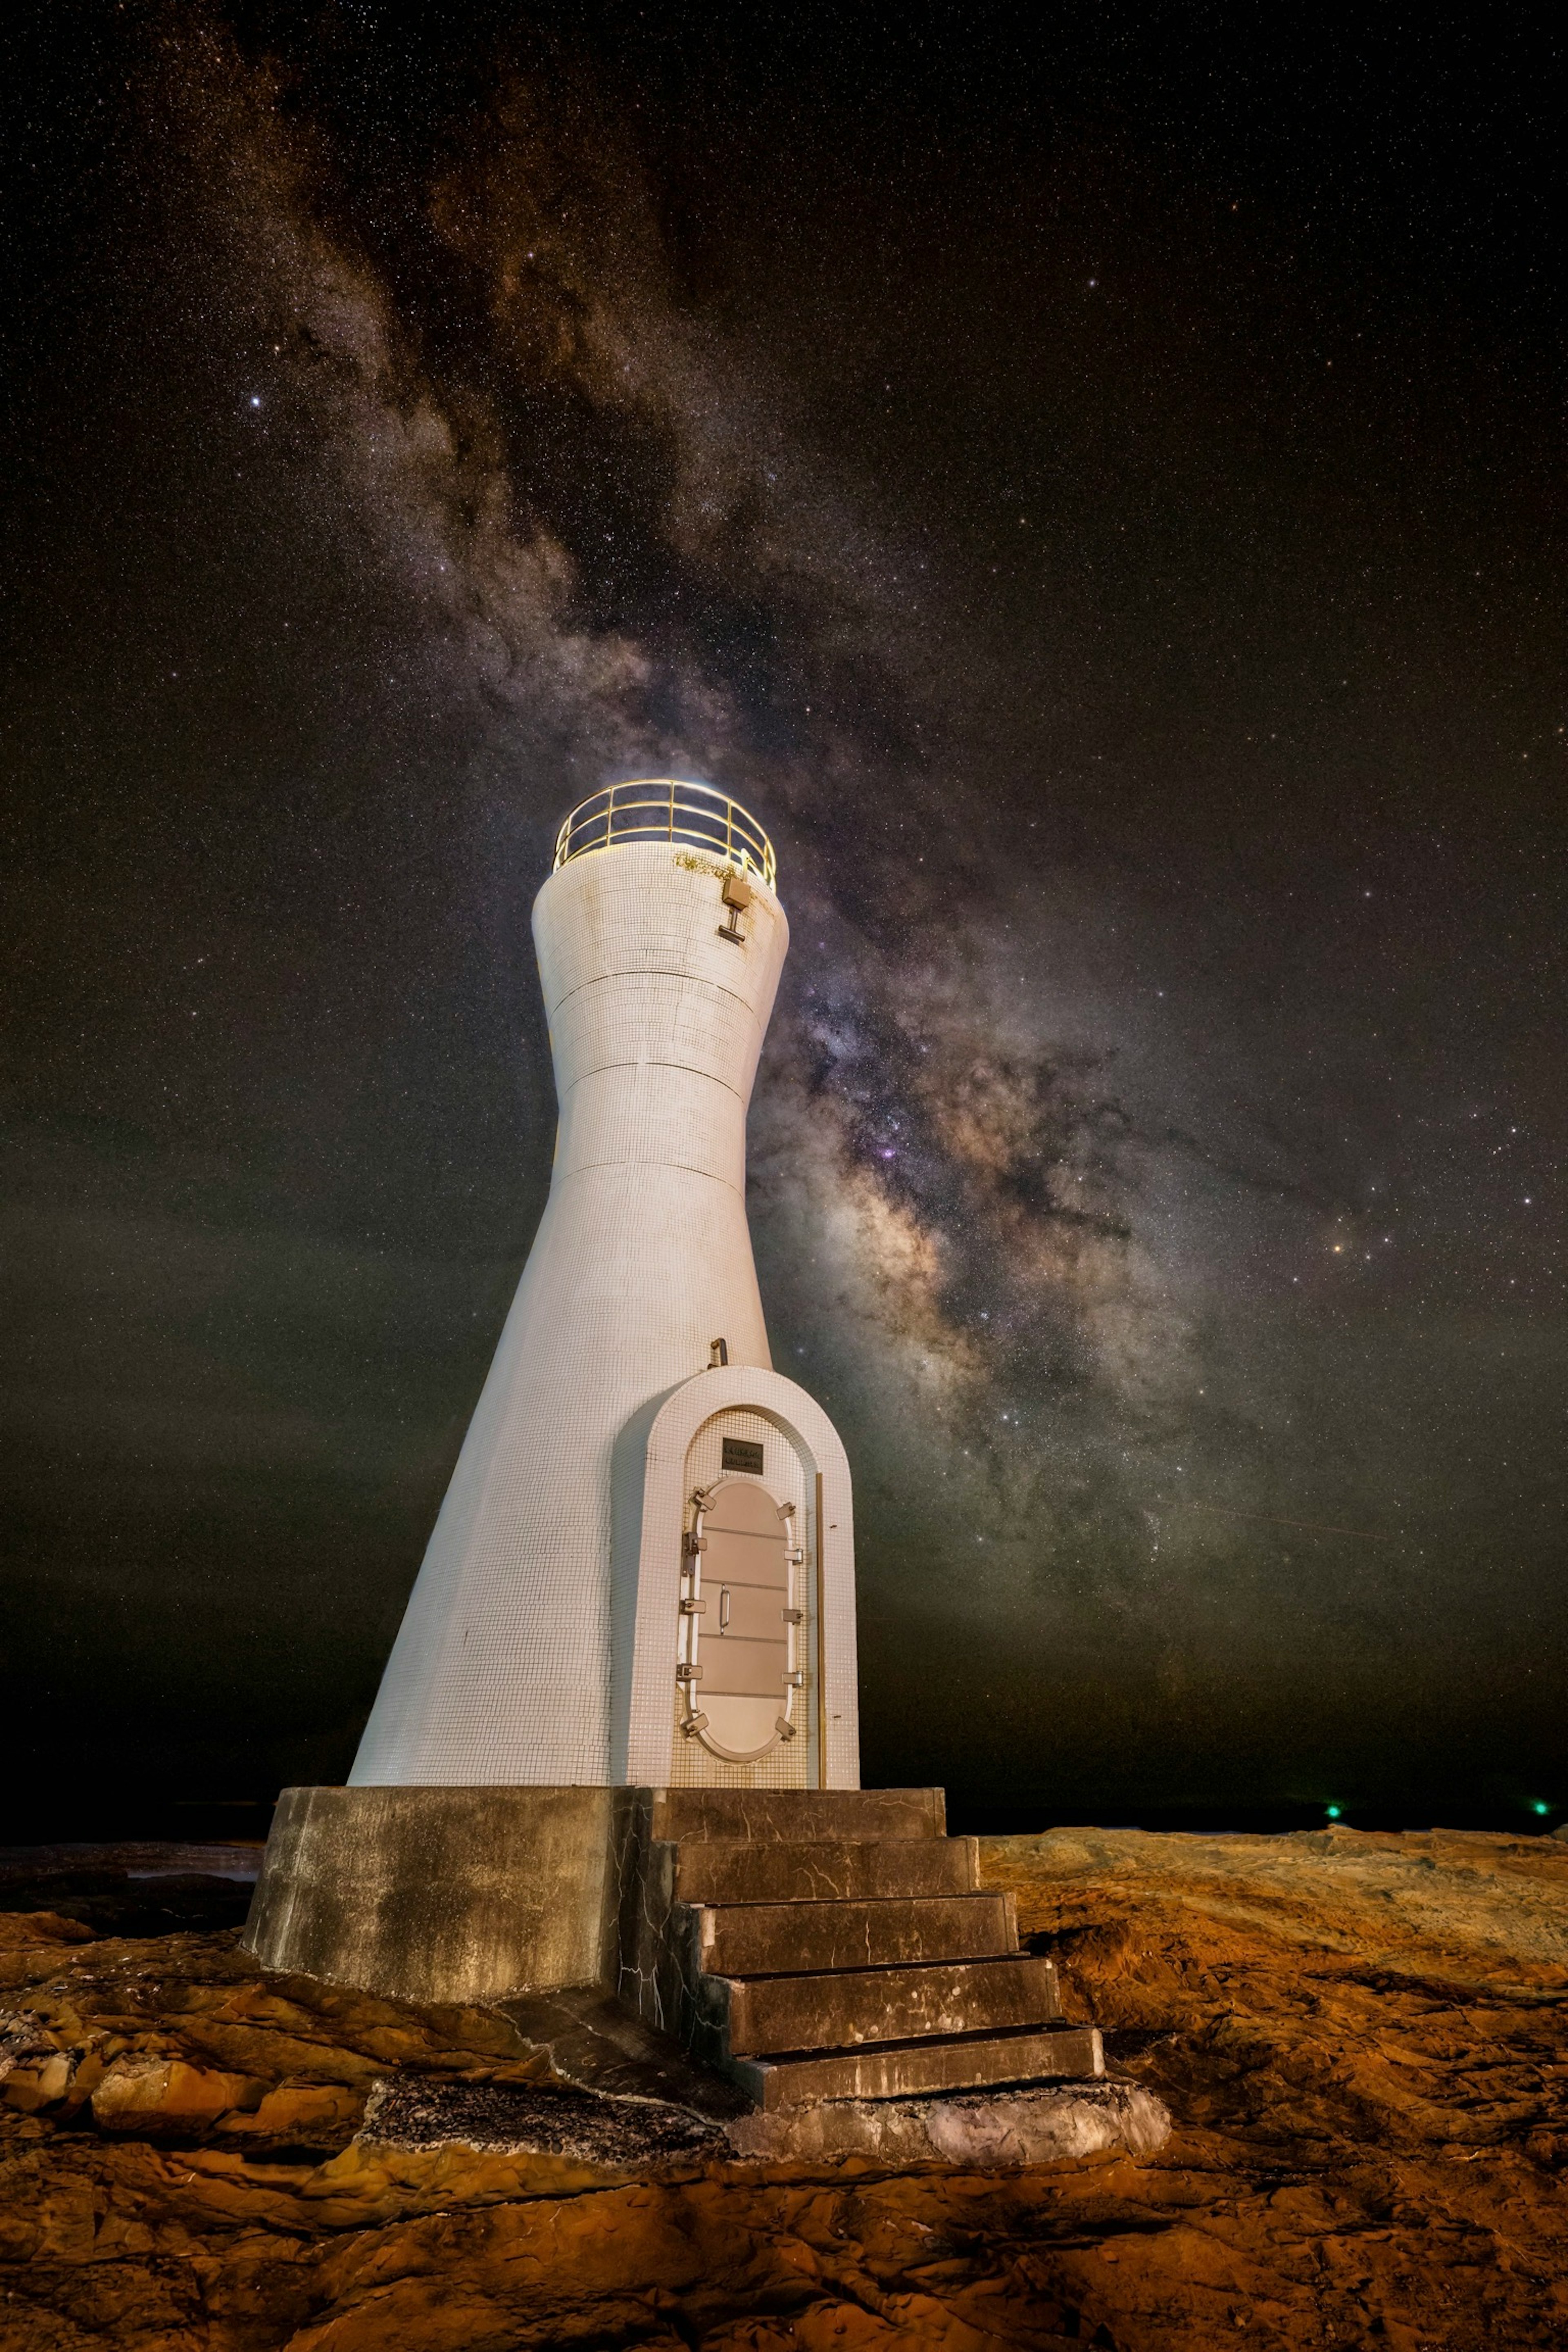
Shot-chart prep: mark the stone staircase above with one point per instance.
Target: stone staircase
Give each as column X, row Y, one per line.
column 833, row 1945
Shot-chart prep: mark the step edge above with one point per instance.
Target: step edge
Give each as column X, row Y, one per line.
column 883, row 1969
column 769, row 2085
column 814, row 1846
column 994, row 1896
column 983, row 2037
column 723, row 1900
column 928, row 1803
column 796, row 1976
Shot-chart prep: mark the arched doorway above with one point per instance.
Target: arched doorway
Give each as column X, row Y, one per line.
column 747, row 1424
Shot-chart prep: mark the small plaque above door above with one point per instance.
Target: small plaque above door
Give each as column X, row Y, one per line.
column 741, row 1454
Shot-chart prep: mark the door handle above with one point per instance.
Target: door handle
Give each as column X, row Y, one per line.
column 723, row 1609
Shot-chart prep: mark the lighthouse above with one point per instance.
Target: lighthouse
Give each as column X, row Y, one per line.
column 615, row 1750
column 643, row 1570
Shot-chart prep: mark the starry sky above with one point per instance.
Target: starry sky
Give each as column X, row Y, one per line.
column 1090, row 481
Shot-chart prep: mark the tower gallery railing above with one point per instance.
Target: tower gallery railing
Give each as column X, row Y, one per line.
column 661, row 808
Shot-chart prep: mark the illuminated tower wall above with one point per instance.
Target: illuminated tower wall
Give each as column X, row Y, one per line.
column 544, row 1638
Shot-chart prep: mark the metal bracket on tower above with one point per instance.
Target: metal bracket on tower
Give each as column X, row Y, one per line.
column 737, row 895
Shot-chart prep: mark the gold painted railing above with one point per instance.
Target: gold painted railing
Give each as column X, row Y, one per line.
column 661, row 808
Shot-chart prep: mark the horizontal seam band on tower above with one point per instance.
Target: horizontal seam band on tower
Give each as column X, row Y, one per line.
column 587, row 1167
column 689, row 1067
column 692, row 980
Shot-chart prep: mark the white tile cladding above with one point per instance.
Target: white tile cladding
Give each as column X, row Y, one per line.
column 502, row 1670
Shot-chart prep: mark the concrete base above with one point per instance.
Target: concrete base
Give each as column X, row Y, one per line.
column 898, row 2019
column 440, row 1895
column 988, row 2129
column 583, row 2132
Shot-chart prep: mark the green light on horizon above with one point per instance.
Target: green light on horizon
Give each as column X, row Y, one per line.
column 1333, row 1811
column 1538, row 1808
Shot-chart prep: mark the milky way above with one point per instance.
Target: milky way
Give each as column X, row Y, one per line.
column 1155, row 1159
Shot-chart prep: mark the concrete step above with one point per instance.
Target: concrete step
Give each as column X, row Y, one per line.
column 965, row 2062
column 849, row 1869
column 797, row 1816
column 749, row 1940
column 746, row 2016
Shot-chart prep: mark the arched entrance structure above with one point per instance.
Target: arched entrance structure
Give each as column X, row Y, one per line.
column 734, row 1554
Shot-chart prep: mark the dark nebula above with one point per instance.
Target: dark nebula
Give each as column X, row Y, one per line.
column 1092, row 485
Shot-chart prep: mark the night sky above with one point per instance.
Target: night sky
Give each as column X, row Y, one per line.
column 1092, row 482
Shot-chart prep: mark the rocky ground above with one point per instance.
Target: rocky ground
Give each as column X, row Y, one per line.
column 1363, row 2041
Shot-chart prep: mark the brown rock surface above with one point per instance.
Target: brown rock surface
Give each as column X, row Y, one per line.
column 1363, row 2039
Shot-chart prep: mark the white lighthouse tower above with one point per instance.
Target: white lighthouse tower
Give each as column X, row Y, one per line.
column 614, row 1751
column 643, row 1570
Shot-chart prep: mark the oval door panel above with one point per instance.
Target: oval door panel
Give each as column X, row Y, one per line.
column 744, row 1636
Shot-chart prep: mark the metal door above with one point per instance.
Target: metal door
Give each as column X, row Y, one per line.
column 737, row 1654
